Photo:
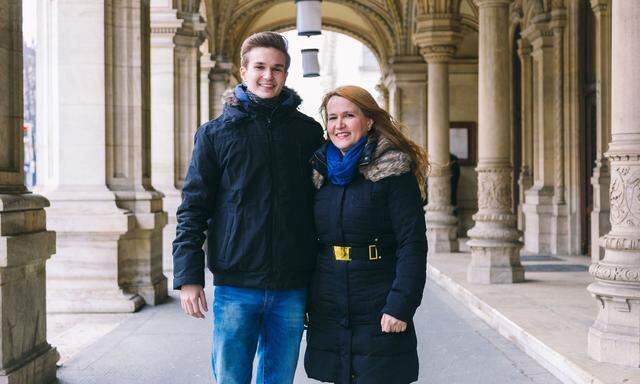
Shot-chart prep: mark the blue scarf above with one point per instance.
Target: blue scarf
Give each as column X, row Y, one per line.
column 342, row 169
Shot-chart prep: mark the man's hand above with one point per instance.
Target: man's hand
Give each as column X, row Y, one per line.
column 391, row 324
column 193, row 300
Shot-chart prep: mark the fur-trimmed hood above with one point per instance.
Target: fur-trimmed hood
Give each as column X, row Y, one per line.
column 237, row 96
column 381, row 159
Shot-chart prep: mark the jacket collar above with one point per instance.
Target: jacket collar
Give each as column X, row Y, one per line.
column 237, row 104
column 380, row 159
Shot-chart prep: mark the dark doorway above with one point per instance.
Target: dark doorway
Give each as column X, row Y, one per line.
column 588, row 126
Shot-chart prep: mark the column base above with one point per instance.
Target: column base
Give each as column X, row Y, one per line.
column 171, row 202
column 442, row 229
column 37, row 368
column 494, row 263
column 168, row 235
column 559, row 229
column 78, row 300
column 615, row 335
column 442, row 239
column 153, row 294
column 546, row 230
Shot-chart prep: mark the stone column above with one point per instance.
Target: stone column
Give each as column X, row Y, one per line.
column 615, row 335
column 219, row 81
column 495, row 249
column 560, row 215
column 544, row 208
column 25, row 243
column 437, row 36
column 601, row 175
column 526, row 177
column 206, row 64
column 407, row 85
column 383, row 96
column 186, row 81
column 95, row 158
column 186, row 119
column 164, row 25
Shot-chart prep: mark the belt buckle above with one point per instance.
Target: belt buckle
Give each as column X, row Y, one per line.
column 373, row 253
column 342, row 253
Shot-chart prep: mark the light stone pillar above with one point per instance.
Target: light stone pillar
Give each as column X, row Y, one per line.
column 94, row 157
column 407, row 85
column 206, row 64
column 601, row 175
column 437, row 36
column 186, row 119
column 25, row 243
column 495, row 249
column 219, row 81
column 546, row 213
column 383, row 96
column 525, row 180
column 615, row 335
column 164, row 25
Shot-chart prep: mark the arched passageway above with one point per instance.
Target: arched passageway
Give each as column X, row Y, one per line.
column 117, row 125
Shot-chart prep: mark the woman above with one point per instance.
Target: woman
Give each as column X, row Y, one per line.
column 370, row 271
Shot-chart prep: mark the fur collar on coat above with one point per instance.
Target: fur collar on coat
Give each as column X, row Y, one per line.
column 385, row 161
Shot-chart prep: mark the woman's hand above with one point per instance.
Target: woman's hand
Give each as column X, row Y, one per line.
column 391, row 324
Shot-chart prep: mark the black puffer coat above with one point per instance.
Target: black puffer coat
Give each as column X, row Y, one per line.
column 249, row 186
column 347, row 298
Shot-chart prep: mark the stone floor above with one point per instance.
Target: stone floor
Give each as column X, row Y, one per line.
column 548, row 315
column 161, row 345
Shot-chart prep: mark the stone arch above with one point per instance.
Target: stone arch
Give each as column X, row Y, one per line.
column 383, row 24
column 334, row 26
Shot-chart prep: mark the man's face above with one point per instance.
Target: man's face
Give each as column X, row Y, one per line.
column 265, row 73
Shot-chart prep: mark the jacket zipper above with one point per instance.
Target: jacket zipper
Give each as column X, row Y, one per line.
column 274, row 198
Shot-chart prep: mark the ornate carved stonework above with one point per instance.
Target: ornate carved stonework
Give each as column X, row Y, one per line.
column 494, row 188
column 438, row 53
column 625, row 196
column 620, row 243
column 615, row 272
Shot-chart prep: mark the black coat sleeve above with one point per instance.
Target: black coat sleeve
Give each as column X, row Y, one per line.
column 407, row 220
column 198, row 200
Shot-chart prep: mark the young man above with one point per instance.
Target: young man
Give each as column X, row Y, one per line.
column 249, row 185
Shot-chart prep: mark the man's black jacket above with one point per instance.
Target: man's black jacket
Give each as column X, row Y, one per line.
column 249, row 186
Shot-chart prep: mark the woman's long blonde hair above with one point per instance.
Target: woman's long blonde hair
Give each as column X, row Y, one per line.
column 383, row 125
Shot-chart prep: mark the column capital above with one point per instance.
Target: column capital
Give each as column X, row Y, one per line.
column 164, row 21
column 438, row 53
column 220, row 70
column 191, row 34
column 437, row 36
column 600, row 6
column 492, row 3
column 524, row 48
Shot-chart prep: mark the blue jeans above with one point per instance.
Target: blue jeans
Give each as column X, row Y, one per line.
column 244, row 319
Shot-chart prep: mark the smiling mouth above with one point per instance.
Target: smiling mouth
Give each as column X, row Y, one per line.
column 342, row 135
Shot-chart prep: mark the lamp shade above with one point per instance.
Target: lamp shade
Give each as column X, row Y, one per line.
column 310, row 64
column 308, row 17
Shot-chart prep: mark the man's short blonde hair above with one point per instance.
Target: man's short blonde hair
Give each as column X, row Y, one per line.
column 264, row 40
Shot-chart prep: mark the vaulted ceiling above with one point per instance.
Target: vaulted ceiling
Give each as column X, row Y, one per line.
column 386, row 26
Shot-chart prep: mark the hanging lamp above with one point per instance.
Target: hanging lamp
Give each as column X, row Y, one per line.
column 310, row 63
column 308, row 17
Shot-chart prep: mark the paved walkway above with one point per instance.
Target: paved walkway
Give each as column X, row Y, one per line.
column 161, row 345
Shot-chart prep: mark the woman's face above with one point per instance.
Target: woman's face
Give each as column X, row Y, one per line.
column 346, row 124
